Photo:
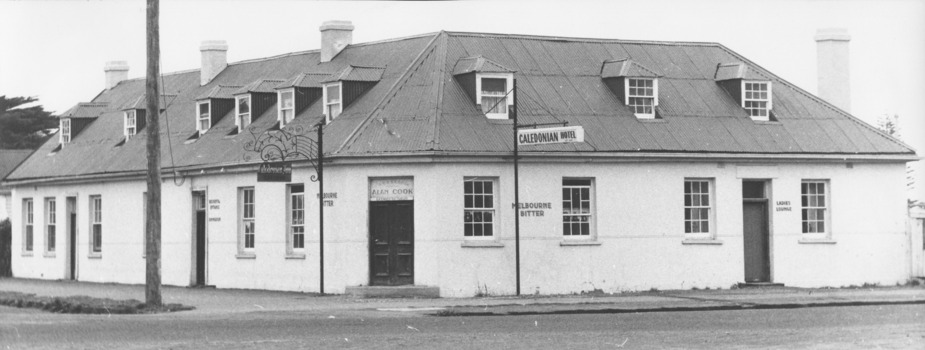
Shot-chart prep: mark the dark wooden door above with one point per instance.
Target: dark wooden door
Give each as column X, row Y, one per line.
column 72, row 246
column 755, row 222
column 200, row 247
column 391, row 243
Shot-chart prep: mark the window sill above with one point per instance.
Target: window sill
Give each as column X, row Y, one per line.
column 293, row 256
column 49, row 255
column 246, row 256
column 27, row 254
column 482, row 244
column 574, row 243
column 95, row 256
column 817, row 241
column 702, row 242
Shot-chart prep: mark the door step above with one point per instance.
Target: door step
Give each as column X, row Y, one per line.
column 760, row 285
column 409, row 291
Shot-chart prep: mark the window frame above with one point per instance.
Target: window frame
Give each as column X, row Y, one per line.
column 28, row 232
column 826, row 231
column 126, row 126
column 291, row 249
column 494, row 221
column 592, row 209
column 508, row 95
column 243, row 249
column 51, row 222
column 96, row 219
column 238, row 116
column 65, row 127
column 327, row 105
column 199, row 116
column 628, row 96
column 768, row 100
column 281, row 107
column 710, row 219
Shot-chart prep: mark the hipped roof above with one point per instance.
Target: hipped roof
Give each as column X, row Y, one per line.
column 418, row 107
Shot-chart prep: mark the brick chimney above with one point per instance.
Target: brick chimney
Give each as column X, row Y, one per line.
column 335, row 36
column 116, row 71
column 834, row 67
column 214, row 59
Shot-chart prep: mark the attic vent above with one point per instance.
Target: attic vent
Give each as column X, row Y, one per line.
column 488, row 83
column 634, row 84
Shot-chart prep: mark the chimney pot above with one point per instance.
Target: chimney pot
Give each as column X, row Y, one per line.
column 834, row 67
column 214, row 59
column 116, row 71
column 335, row 36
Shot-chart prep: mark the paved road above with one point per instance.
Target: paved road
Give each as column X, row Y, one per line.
column 894, row 326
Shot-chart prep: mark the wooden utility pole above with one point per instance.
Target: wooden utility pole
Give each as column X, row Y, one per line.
column 152, row 111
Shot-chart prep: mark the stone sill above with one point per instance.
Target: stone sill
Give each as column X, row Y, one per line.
column 578, row 243
column 95, row 256
column 482, row 244
column 250, row 256
column 27, row 254
column 49, row 255
column 295, row 256
column 702, row 242
column 817, row 241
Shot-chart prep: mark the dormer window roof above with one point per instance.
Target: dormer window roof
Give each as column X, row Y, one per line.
column 488, row 83
column 634, row 84
column 135, row 111
column 78, row 117
column 751, row 90
column 346, row 85
column 305, row 86
column 251, row 100
column 212, row 105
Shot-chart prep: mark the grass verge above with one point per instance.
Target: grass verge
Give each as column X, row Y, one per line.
column 84, row 305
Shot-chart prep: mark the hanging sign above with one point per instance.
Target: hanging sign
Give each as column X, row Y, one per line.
column 393, row 189
column 274, row 172
column 527, row 137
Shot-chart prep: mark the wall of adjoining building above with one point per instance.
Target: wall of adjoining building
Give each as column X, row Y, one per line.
column 638, row 229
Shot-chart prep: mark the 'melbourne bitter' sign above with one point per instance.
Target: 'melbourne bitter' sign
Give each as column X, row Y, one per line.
column 274, row 172
column 550, row 135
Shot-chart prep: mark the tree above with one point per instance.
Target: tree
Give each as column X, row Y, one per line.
column 889, row 124
column 23, row 128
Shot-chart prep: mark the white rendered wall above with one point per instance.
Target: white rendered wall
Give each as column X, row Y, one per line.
column 638, row 219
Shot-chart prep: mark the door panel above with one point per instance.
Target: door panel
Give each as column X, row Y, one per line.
column 755, row 222
column 200, row 247
column 391, row 235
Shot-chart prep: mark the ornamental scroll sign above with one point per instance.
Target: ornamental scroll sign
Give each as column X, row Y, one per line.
column 280, row 145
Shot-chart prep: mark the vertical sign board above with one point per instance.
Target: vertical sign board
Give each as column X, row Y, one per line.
column 566, row 134
column 391, row 189
column 274, row 172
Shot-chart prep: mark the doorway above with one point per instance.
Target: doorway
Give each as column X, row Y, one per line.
column 391, row 243
column 756, row 231
column 199, row 238
column 71, row 207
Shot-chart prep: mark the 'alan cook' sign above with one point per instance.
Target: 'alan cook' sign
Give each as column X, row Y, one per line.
column 550, row 135
column 393, row 189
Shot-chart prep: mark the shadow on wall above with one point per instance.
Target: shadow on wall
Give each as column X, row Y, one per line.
column 6, row 249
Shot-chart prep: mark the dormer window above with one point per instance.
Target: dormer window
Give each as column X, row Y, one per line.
column 242, row 112
column 286, row 106
column 66, row 130
column 494, row 94
column 642, row 96
column 130, row 124
column 756, row 99
column 333, row 101
column 204, row 120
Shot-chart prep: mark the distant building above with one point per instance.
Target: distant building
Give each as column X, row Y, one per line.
column 697, row 168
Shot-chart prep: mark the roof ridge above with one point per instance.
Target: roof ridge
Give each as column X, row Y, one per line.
column 388, row 95
column 303, row 52
column 823, row 102
column 580, row 39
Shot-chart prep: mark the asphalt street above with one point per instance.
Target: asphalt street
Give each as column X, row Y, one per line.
column 886, row 326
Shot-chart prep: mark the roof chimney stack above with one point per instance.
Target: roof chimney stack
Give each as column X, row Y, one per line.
column 833, row 66
column 214, row 59
column 335, row 36
column 116, row 71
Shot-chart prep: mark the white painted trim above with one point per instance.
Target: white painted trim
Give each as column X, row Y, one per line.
column 509, row 100
column 63, row 134
column 237, row 111
column 770, row 99
column 626, row 96
column 324, row 99
column 125, row 126
column 208, row 116
column 279, row 105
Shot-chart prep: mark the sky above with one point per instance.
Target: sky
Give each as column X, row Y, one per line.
column 55, row 50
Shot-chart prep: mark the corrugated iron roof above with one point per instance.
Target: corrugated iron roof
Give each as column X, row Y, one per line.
column 260, row 85
column 85, row 110
column 418, row 106
column 141, row 102
column 625, row 68
column 479, row 64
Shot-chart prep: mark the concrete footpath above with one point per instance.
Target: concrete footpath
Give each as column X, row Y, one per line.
column 217, row 301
